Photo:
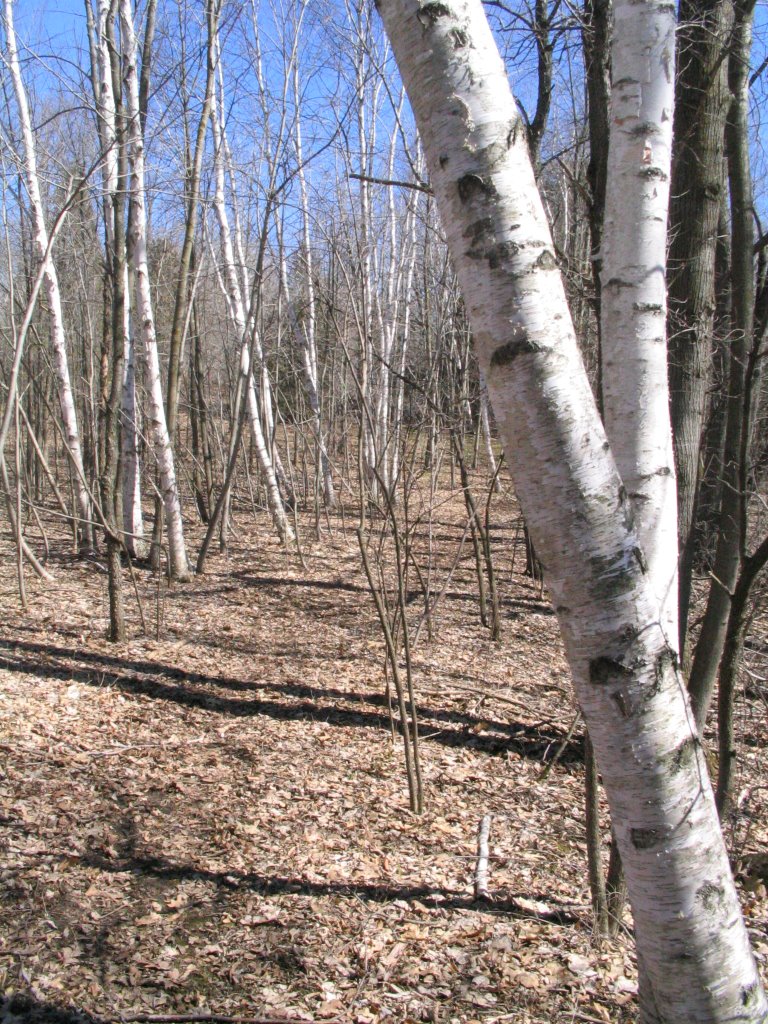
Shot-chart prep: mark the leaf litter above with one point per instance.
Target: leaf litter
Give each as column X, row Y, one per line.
column 212, row 821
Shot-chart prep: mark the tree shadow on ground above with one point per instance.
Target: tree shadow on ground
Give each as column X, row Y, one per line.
column 272, row 586
column 18, row 1007
column 302, row 703
column 370, row 892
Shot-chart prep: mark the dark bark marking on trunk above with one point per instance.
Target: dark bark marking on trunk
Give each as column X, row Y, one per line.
column 681, row 758
column 500, row 253
column 604, row 671
column 472, row 186
column 432, row 12
column 520, row 345
column 646, row 128
column 621, row 702
column 749, row 994
column 653, row 172
column 640, row 557
column 629, row 634
column 615, row 574
column 645, row 838
column 492, row 155
column 546, row 261
column 515, row 129
column 479, row 231
column 482, row 238
column 647, row 307
column 666, row 661
column 711, row 895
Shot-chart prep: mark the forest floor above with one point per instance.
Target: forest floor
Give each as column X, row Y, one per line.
column 212, row 817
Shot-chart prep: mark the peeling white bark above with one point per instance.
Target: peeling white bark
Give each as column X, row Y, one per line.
column 51, row 284
column 692, row 943
column 634, row 299
column 137, row 231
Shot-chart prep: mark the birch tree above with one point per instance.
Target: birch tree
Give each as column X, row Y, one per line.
column 137, row 250
column 633, row 294
column 693, row 949
column 99, row 29
column 51, row 284
column 232, row 284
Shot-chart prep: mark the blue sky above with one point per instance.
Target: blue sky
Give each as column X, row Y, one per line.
column 56, row 29
column 58, row 22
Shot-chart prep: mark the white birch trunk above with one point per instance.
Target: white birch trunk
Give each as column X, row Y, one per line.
column 272, row 142
column 485, row 426
column 387, row 309
column 245, row 332
column 105, row 105
column 634, row 303
column 133, row 520
column 53, row 293
column 693, row 947
column 177, row 555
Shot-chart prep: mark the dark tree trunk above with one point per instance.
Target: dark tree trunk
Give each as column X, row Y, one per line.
column 732, row 520
column 701, row 106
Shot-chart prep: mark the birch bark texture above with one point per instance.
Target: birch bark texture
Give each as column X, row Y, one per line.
column 634, row 300
column 693, row 947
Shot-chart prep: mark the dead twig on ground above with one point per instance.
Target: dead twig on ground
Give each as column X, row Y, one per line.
column 481, row 871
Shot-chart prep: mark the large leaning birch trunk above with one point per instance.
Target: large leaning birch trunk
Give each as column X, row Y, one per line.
column 693, row 948
column 53, row 293
column 177, row 555
column 633, row 295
